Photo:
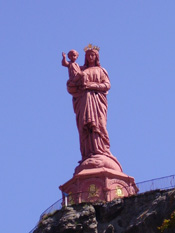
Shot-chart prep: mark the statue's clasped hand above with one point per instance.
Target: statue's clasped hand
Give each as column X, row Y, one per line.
column 91, row 86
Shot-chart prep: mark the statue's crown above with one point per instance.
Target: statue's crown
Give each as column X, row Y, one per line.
column 90, row 47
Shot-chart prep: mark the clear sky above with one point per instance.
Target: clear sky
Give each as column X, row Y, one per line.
column 39, row 145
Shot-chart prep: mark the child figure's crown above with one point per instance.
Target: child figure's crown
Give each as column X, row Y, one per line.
column 90, row 47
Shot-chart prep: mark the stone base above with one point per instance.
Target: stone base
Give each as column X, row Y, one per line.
column 98, row 184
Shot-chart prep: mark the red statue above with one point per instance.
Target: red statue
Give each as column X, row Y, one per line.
column 89, row 85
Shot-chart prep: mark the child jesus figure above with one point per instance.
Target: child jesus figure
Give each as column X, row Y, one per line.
column 76, row 76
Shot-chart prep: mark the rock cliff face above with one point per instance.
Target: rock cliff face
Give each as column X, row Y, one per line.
column 142, row 213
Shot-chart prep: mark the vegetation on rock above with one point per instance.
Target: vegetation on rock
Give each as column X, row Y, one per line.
column 168, row 223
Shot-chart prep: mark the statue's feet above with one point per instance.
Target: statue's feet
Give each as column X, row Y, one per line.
column 99, row 161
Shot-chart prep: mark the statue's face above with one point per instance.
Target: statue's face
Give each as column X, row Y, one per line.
column 91, row 57
column 74, row 56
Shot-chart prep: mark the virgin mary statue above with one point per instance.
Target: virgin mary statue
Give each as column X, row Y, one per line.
column 90, row 106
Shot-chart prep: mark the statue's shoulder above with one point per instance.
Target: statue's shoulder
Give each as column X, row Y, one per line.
column 104, row 70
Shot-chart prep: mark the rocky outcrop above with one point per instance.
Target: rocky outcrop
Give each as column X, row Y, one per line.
column 142, row 213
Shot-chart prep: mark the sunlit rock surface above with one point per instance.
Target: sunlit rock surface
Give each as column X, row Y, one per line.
column 136, row 214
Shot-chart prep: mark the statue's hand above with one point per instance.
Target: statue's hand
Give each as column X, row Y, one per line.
column 91, row 86
column 64, row 55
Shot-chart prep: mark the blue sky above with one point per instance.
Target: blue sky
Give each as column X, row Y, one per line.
column 39, row 146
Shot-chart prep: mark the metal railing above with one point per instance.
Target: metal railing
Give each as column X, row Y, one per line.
column 54, row 207
column 163, row 183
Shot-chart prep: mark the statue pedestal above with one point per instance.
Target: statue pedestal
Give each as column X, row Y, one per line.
column 91, row 184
